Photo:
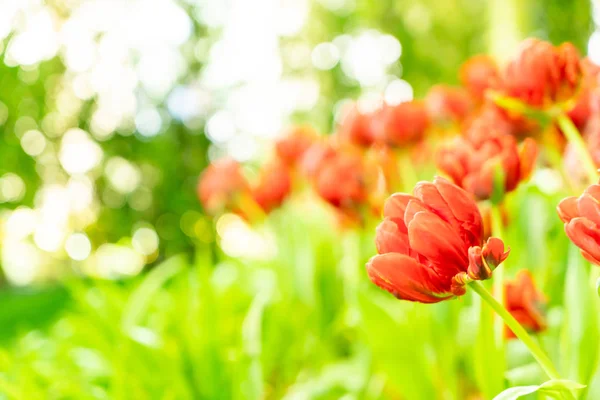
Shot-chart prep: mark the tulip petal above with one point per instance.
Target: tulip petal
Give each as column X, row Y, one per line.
column 590, row 258
column 429, row 194
column 585, row 235
column 463, row 208
column 434, row 239
column 451, row 163
column 406, row 278
column 395, row 208
column 567, row 209
column 594, row 191
column 589, row 208
column 390, row 239
column 414, row 206
column 493, row 252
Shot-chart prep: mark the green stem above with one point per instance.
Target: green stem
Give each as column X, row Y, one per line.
column 498, row 289
column 518, row 330
column 408, row 175
column 575, row 140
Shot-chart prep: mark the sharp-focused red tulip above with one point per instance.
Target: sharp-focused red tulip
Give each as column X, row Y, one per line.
column 220, row 186
column 402, row 124
column 476, row 162
column 525, row 303
column 581, row 216
column 542, row 74
column 446, row 103
column 478, row 74
column 357, row 128
column 430, row 244
column 273, row 187
column 291, row 148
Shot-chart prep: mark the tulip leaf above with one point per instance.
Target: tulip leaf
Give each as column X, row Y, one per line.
column 516, row 392
column 554, row 388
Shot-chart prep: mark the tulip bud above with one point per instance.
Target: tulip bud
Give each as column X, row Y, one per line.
column 447, row 104
column 221, row 185
column 542, row 74
column 488, row 166
column 291, row 148
column 357, row 128
column 525, row 303
column 478, row 268
column 402, row 124
column 273, row 187
column 493, row 252
column 478, row 74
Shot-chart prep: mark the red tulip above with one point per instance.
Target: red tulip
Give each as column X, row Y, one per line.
column 491, row 118
column 473, row 162
column 581, row 216
column 220, row 186
column 273, row 187
column 357, row 128
column 478, row 74
column 291, row 148
column 430, row 245
column 342, row 180
column 315, row 156
column 446, row 103
column 525, row 303
column 542, row 74
column 402, row 124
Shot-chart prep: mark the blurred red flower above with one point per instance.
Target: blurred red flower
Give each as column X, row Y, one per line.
column 315, row 156
column 446, row 103
column 491, row 118
column 357, row 128
column 473, row 162
column 478, row 74
column 342, row 180
column 273, row 187
column 220, row 186
column 542, row 74
column 525, row 303
column 291, row 148
column 402, row 124
column 581, row 216
column 431, row 244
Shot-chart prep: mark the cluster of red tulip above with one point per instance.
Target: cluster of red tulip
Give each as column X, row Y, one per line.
column 484, row 136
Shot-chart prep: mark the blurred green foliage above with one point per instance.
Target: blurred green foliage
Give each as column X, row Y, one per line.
column 306, row 324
